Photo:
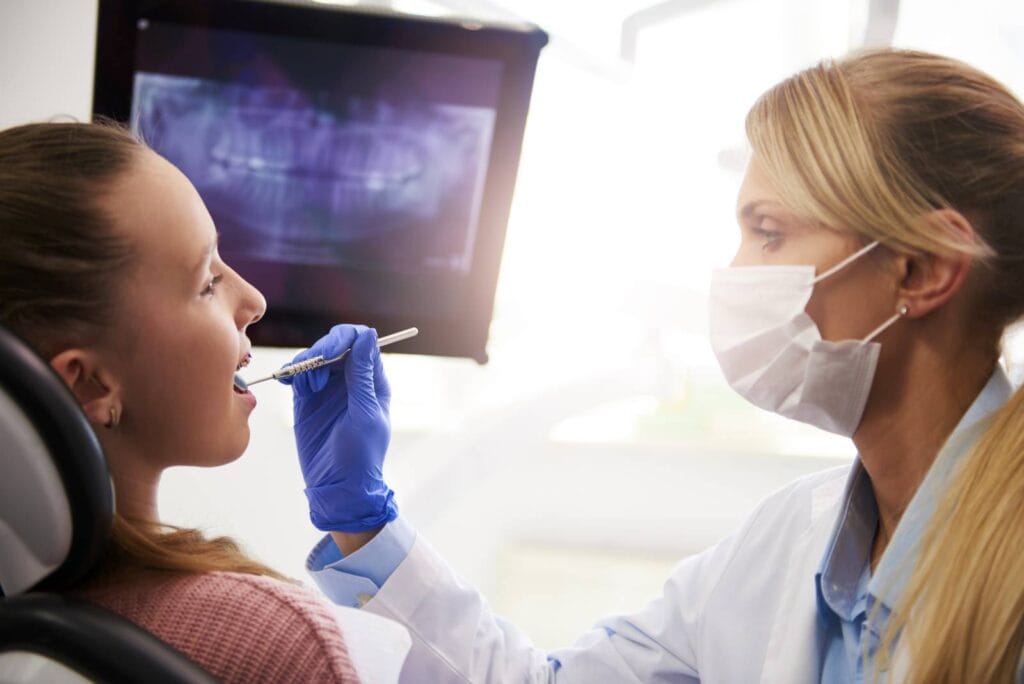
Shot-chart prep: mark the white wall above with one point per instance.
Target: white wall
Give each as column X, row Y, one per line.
column 47, row 52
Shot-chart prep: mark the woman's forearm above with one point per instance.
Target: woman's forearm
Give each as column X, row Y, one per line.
column 350, row 542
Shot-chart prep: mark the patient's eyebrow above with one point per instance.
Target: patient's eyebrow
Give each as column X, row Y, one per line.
column 207, row 256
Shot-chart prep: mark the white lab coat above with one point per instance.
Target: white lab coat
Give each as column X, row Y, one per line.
column 742, row 611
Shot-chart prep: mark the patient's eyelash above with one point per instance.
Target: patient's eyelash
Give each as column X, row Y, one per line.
column 208, row 290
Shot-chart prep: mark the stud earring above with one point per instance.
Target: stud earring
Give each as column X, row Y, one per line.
column 904, row 310
column 114, row 419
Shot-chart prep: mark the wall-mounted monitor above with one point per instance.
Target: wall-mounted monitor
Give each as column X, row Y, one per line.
column 359, row 165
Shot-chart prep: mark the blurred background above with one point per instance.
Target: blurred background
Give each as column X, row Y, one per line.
column 600, row 445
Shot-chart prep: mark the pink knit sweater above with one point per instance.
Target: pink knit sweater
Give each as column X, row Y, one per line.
column 240, row 628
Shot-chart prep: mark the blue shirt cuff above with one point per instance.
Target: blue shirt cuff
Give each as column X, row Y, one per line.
column 354, row 579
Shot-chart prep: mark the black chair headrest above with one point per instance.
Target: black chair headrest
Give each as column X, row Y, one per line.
column 93, row 641
column 56, row 498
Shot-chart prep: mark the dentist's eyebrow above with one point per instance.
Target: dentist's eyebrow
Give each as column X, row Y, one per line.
column 750, row 208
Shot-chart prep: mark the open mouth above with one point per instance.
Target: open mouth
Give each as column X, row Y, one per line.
column 240, row 385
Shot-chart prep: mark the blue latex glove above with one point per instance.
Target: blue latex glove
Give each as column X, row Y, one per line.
column 342, row 429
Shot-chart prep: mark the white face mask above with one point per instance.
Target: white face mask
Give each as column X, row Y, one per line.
column 772, row 353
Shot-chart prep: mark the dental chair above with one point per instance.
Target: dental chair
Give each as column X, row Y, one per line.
column 56, row 511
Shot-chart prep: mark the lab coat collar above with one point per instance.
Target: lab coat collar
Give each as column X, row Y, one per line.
column 897, row 563
column 796, row 624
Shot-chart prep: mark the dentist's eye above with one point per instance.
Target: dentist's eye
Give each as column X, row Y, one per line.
column 210, row 286
column 769, row 238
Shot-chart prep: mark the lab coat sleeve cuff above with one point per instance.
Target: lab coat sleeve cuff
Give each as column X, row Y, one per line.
column 354, row 579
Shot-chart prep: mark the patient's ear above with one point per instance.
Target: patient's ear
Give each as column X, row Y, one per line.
column 95, row 388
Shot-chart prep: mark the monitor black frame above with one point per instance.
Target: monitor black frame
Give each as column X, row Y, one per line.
column 517, row 47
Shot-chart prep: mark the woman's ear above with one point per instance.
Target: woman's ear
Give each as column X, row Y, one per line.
column 930, row 280
column 95, row 388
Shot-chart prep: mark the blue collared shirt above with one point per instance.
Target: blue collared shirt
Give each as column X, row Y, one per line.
column 847, row 591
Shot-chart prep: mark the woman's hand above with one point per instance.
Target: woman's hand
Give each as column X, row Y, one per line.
column 342, row 430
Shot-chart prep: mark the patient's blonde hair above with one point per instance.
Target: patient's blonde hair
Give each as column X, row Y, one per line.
column 874, row 144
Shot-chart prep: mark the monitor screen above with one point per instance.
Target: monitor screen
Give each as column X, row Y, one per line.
column 356, row 175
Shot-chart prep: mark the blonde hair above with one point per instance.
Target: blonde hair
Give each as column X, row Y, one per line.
column 142, row 545
column 875, row 144
column 964, row 605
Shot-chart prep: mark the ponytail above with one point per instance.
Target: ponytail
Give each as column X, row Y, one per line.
column 961, row 618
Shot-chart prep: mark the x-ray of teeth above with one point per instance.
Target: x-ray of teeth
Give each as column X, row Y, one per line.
column 315, row 178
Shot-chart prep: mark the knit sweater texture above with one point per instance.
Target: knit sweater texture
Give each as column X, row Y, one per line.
column 238, row 627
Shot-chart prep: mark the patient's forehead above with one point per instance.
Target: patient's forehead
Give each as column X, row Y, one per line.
column 161, row 214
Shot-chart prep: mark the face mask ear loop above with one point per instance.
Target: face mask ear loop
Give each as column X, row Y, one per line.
column 904, row 310
column 848, row 260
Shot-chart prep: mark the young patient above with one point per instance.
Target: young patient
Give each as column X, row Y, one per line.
column 109, row 269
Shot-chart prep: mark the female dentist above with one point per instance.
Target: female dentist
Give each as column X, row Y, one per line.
column 881, row 260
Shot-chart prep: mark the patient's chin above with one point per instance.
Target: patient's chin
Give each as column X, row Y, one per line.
column 230, row 453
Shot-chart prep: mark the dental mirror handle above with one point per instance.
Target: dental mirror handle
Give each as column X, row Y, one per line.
column 319, row 361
